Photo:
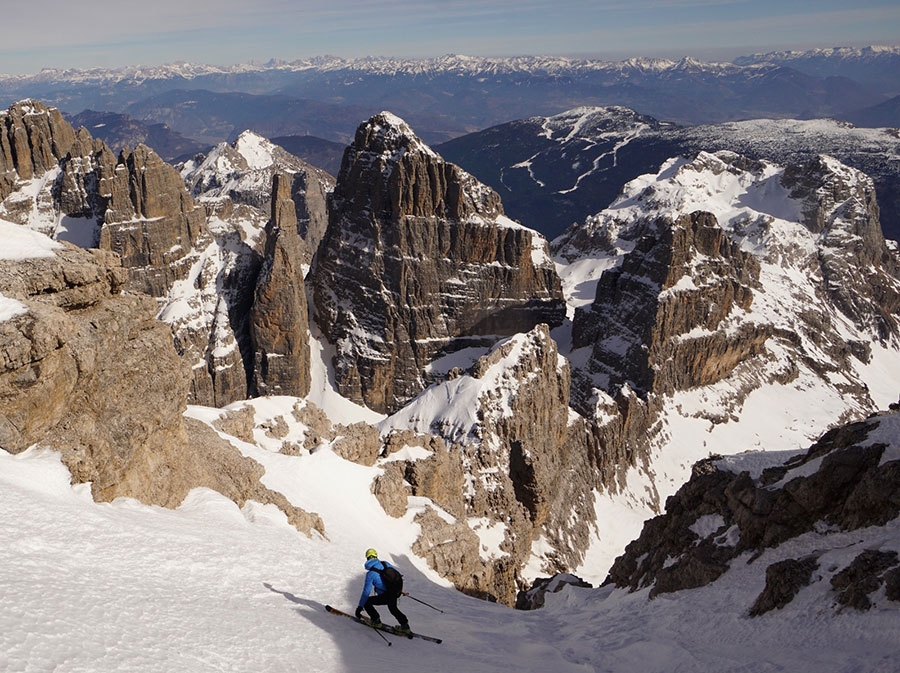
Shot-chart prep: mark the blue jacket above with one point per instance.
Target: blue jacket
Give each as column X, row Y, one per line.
column 373, row 579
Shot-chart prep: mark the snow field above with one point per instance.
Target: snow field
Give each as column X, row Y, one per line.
column 115, row 587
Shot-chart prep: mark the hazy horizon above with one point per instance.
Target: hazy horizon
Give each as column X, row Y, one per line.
column 229, row 32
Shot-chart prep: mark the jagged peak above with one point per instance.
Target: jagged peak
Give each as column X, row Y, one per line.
column 258, row 151
column 29, row 106
column 390, row 136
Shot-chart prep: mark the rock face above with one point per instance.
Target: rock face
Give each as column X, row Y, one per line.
column 134, row 204
column 514, row 468
column 208, row 312
column 149, row 220
column 212, row 312
column 279, row 324
column 839, row 205
column 87, row 370
column 682, row 278
column 33, row 140
column 137, row 206
column 731, row 508
column 418, row 258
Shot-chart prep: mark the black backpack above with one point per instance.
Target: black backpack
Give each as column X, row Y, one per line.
column 393, row 580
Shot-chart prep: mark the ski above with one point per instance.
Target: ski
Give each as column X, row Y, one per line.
column 383, row 627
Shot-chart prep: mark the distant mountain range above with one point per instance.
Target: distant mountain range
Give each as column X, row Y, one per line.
column 453, row 95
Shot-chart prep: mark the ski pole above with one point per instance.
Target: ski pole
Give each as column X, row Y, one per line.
column 423, row 602
column 381, row 635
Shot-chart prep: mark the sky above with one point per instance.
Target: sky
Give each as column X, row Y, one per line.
column 117, row 33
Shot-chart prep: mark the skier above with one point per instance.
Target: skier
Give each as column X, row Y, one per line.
column 388, row 587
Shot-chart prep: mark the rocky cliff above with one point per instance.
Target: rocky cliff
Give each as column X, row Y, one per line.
column 149, row 219
column 33, row 140
column 88, row 371
column 721, row 278
column 747, row 508
column 418, row 258
column 279, row 323
column 133, row 204
column 655, row 321
column 217, row 325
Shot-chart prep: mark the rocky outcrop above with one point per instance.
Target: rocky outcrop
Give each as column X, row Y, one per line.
column 535, row 597
column 208, row 312
column 33, row 140
column 509, row 470
column 419, row 259
column 720, row 277
column 839, row 205
column 784, row 580
column 358, row 442
column 279, row 323
column 848, row 480
column 871, row 569
column 135, row 204
column 150, row 220
column 438, row 477
column 255, row 254
column 655, row 321
column 88, row 371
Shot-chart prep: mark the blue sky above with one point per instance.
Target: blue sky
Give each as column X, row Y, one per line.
column 112, row 33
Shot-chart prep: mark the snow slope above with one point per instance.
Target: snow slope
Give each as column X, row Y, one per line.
column 120, row 586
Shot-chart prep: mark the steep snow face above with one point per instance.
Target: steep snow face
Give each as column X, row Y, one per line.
column 457, row 409
column 257, row 151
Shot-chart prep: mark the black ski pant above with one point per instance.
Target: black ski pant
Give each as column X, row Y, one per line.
column 391, row 602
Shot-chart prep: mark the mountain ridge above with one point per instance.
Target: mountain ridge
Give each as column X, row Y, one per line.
column 447, row 62
column 742, row 287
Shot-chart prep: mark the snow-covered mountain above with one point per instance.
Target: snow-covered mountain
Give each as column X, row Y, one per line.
column 453, row 64
column 553, row 171
column 874, row 66
column 720, row 305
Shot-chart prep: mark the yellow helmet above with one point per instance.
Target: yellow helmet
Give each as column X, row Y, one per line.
column 371, row 553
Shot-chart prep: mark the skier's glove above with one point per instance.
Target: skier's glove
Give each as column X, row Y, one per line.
column 358, row 612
